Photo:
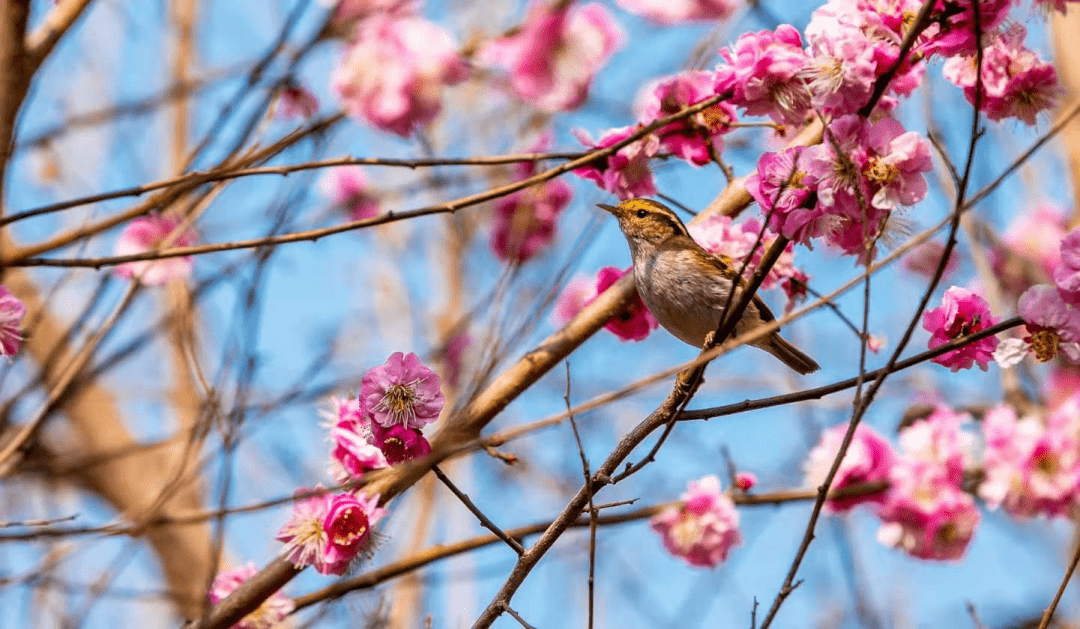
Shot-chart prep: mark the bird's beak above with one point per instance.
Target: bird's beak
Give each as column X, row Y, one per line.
column 609, row 208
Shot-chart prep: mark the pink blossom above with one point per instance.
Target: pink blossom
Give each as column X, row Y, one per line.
column 296, row 101
column 553, row 57
column 767, row 71
column 393, row 74
column 841, row 70
column 679, row 11
column 925, row 259
column 635, row 322
column 402, row 392
column 304, row 534
column 925, row 513
column 867, row 460
column 733, row 243
column 962, row 313
column 697, row 137
column 625, row 174
column 1016, row 81
column 940, row 439
column 353, row 454
column 1035, row 234
column 525, row 221
column 745, row 481
column 148, row 233
column 1067, row 275
column 1032, row 467
column 578, row 292
column 347, row 187
column 270, row 614
column 704, row 529
column 400, row 443
column 1053, row 326
column 1060, row 384
column 12, row 311
column 957, row 35
column 786, row 191
column 347, row 523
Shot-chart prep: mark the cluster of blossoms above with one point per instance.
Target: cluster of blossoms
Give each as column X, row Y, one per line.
column 347, row 187
column 923, row 508
column 12, row 311
column 633, row 323
column 704, row 528
column 146, row 234
column 394, row 70
column 270, row 614
column 380, row 428
column 525, row 221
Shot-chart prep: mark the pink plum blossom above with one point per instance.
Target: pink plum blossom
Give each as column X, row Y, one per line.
column 393, row 74
column 704, row 529
column 786, row 191
column 733, row 243
column 767, row 69
column 553, row 57
column 304, row 534
column 957, row 36
column 347, row 187
column 925, row 259
column 296, row 101
column 745, row 481
column 1016, row 82
column 625, row 174
column 1053, row 326
column 402, row 392
column 841, row 70
column 1032, row 466
column 962, row 313
column 679, row 11
column 940, row 439
column 353, row 453
column 578, row 292
column 12, row 311
column 635, row 322
column 268, row 615
column 348, row 523
column 1061, row 383
column 1067, row 275
column 525, row 221
column 146, row 234
column 925, row 514
column 400, row 443
column 696, row 138
column 868, row 460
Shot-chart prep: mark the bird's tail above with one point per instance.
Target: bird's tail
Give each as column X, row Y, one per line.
column 790, row 355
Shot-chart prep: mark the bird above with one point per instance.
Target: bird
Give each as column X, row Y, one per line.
column 685, row 287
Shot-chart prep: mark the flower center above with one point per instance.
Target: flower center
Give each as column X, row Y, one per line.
column 877, row 171
column 309, row 537
column 687, row 532
column 963, row 327
column 1047, row 464
column 398, row 402
column 1044, row 343
column 716, row 118
column 348, row 533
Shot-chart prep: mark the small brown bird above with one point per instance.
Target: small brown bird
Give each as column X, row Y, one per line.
column 686, row 287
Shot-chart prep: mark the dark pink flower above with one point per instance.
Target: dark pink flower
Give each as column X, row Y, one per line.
column 962, row 313
column 786, row 192
column 12, row 311
column 1067, row 275
column 553, row 57
column 402, row 392
column 296, row 101
column 400, row 443
column 625, row 174
column 269, row 615
column 679, row 11
column 347, row 523
column 691, row 138
column 704, row 529
column 1016, row 82
column 578, row 292
column 1032, row 466
column 147, row 234
column 868, row 460
column 745, row 481
column 768, row 68
column 635, row 322
column 393, row 74
column 957, row 35
column 353, row 453
column 347, row 187
column 304, row 534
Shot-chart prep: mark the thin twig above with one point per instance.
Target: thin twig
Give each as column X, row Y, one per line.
column 484, row 520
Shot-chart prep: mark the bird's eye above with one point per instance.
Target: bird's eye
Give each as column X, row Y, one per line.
column 642, row 213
